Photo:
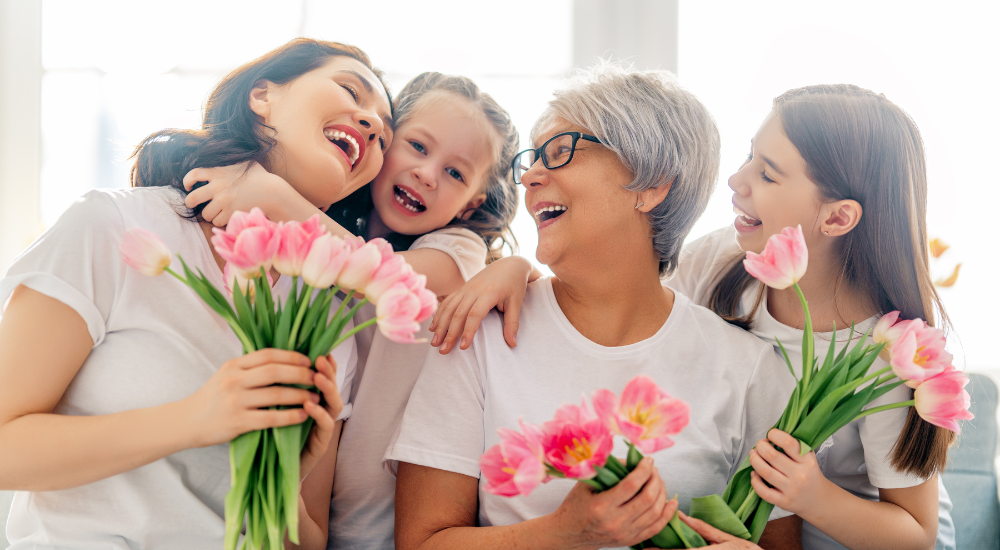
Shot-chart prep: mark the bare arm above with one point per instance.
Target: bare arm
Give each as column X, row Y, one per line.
column 315, row 493
column 902, row 519
column 437, row 509
column 43, row 344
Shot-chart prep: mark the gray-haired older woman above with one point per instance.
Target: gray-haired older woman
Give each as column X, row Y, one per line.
column 624, row 164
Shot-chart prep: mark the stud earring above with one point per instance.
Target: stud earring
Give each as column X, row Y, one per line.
column 827, row 233
column 638, row 205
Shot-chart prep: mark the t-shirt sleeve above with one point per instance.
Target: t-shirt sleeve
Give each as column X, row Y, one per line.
column 463, row 246
column 766, row 398
column 702, row 262
column 879, row 433
column 76, row 262
column 442, row 426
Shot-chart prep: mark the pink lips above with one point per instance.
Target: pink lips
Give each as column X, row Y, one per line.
column 349, row 130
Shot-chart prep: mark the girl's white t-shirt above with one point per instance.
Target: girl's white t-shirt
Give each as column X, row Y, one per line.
column 730, row 379
column 857, row 457
column 361, row 513
column 155, row 342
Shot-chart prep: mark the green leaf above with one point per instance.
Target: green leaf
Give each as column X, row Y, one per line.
column 714, row 511
column 760, row 517
column 667, row 538
column 788, row 361
column 319, row 306
column 687, row 535
column 284, row 326
column 634, row 456
column 606, row 477
column 246, row 317
column 242, row 451
column 289, row 446
column 616, row 467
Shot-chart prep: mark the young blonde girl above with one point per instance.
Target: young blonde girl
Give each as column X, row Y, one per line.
column 444, row 199
column 848, row 166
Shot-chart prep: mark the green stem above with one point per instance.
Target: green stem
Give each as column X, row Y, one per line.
column 874, row 410
column 748, row 501
column 302, row 304
column 807, row 351
column 354, row 331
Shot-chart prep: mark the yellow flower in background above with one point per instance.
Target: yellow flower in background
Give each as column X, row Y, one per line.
column 950, row 281
column 938, row 247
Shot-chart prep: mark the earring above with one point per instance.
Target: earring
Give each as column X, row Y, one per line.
column 827, row 233
column 638, row 205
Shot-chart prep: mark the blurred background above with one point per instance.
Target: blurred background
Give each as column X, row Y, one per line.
column 82, row 82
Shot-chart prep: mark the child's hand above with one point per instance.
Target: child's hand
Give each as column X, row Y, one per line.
column 237, row 187
column 797, row 484
column 325, row 416
column 502, row 285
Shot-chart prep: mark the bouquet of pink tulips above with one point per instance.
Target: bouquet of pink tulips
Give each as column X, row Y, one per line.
column 829, row 395
column 265, row 464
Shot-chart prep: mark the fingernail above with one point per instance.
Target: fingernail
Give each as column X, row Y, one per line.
column 314, row 398
column 464, row 342
column 436, row 339
column 515, row 340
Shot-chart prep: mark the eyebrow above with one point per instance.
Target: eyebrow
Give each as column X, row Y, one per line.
column 768, row 161
column 386, row 119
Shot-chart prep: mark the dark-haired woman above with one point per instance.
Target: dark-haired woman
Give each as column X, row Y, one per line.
column 119, row 392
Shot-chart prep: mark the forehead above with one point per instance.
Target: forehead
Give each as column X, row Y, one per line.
column 553, row 126
column 352, row 68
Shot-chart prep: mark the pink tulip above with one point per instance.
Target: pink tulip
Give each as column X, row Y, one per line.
column 576, row 449
column 428, row 300
column 361, row 264
column 511, row 469
column 144, row 252
column 323, row 263
column 296, row 239
column 942, row 399
column 396, row 313
column 572, row 414
column 394, row 269
column 646, row 415
column 783, row 261
column 918, row 352
column 384, row 248
column 249, row 242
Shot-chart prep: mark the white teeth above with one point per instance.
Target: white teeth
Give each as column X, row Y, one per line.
column 412, row 198
column 405, row 204
column 354, row 150
column 557, row 208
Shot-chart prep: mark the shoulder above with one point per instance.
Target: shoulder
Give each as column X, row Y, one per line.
column 101, row 206
column 709, row 330
column 466, row 248
column 702, row 262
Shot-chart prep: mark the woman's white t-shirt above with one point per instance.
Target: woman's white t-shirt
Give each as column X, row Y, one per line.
column 361, row 513
column 856, row 457
column 731, row 380
column 155, row 342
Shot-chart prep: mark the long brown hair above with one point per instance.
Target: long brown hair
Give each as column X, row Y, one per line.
column 231, row 132
column 858, row 145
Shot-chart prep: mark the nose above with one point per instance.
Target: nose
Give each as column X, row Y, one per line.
column 738, row 182
column 424, row 174
column 371, row 124
column 536, row 175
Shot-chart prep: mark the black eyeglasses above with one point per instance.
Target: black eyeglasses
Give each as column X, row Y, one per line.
column 555, row 153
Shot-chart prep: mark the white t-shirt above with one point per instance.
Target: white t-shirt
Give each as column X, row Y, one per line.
column 731, row 380
column 857, row 457
column 361, row 513
column 155, row 342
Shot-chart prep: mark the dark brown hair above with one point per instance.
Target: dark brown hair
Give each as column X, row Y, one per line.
column 858, row 145
column 231, row 132
column 491, row 220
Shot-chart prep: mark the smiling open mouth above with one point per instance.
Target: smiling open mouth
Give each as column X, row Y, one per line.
column 346, row 143
column 549, row 213
column 408, row 201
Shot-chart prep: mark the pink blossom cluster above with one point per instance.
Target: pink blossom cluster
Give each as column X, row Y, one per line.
column 251, row 243
column 576, row 441
column 915, row 351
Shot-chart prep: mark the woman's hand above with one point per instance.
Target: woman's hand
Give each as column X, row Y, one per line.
column 235, row 399
column 630, row 512
column 325, row 417
column 236, row 187
column 796, row 482
column 714, row 536
column 502, row 285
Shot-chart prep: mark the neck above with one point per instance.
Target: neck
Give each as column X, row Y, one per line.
column 591, row 297
column 832, row 302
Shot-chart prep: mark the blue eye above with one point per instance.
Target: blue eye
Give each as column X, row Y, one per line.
column 455, row 174
column 419, row 147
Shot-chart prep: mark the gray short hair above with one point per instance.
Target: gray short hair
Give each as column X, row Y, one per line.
column 660, row 132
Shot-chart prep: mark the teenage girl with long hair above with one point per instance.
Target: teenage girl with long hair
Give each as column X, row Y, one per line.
column 848, row 166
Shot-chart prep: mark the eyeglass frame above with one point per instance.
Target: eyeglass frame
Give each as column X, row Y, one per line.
column 540, row 152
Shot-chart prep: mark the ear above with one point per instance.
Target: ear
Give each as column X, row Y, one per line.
column 651, row 198
column 839, row 217
column 261, row 98
column 473, row 204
